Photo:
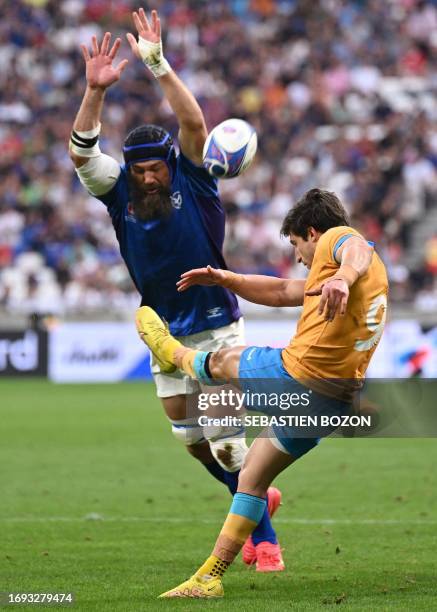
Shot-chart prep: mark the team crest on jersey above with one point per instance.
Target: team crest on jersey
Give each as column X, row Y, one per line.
column 176, row 200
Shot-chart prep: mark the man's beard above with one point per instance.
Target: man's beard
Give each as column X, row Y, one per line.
column 149, row 206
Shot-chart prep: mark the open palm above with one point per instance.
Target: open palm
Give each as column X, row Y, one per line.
column 100, row 71
column 201, row 276
column 150, row 31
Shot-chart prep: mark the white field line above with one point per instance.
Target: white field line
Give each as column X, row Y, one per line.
column 193, row 521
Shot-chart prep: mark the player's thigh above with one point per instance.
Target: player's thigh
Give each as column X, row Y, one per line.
column 175, row 407
column 263, row 463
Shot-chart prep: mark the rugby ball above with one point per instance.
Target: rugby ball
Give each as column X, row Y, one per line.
column 230, row 148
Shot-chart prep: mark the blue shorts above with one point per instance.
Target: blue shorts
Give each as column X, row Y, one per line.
column 261, row 371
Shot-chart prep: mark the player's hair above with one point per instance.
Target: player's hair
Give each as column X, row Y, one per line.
column 317, row 208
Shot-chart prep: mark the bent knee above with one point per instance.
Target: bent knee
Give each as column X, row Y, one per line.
column 252, row 483
column 229, row 453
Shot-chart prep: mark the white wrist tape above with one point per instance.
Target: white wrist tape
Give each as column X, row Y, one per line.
column 153, row 57
column 85, row 143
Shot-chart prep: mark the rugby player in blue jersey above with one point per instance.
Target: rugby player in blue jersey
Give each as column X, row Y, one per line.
column 168, row 218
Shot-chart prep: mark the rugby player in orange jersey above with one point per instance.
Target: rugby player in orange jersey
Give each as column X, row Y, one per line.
column 344, row 303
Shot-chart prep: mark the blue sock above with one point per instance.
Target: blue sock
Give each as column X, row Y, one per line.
column 264, row 531
column 231, row 480
column 216, row 470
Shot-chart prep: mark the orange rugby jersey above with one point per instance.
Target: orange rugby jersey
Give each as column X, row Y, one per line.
column 338, row 352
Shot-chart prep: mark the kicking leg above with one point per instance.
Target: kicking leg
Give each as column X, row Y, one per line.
column 171, row 354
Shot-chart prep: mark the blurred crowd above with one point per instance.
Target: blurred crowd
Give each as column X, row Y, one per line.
column 340, row 92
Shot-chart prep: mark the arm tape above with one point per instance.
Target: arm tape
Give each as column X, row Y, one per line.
column 83, row 142
column 86, row 143
column 153, row 57
column 99, row 174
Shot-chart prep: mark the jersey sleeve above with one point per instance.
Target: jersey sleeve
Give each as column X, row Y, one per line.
column 334, row 238
column 117, row 197
column 199, row 179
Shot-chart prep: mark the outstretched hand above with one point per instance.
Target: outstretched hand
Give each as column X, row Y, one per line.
column 335, row 294
column 202, row 276
column 150, row 31
column 100, row 72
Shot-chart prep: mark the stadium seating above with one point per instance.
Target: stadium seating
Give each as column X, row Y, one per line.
column 335, row 110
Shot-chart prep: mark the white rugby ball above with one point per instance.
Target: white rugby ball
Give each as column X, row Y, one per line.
column 230, row 148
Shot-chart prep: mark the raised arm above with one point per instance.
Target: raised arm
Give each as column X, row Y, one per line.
column 266, row 290
column 192, row 128
column 355, row 257
column 98, row 172
column 100, row 74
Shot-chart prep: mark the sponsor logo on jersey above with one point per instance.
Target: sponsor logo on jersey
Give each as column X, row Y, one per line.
column 217, row 311
column 249, row 354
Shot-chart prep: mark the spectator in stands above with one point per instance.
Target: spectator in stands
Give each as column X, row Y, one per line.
column 340, row 93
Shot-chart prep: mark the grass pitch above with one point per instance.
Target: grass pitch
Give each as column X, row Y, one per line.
column 98, row 499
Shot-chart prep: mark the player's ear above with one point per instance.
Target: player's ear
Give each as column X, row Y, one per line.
column 313, row 235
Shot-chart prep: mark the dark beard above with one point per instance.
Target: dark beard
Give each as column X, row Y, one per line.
column 149, row 206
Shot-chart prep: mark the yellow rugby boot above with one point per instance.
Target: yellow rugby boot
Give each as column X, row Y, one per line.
column 154, row 332
column 197, row 587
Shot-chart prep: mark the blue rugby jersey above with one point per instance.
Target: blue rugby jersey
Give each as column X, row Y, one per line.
column 157, row 252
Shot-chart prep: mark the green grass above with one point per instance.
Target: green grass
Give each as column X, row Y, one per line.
column 68, row 452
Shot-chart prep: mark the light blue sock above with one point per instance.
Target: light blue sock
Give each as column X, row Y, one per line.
column 264, row 531
column 199, row 368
